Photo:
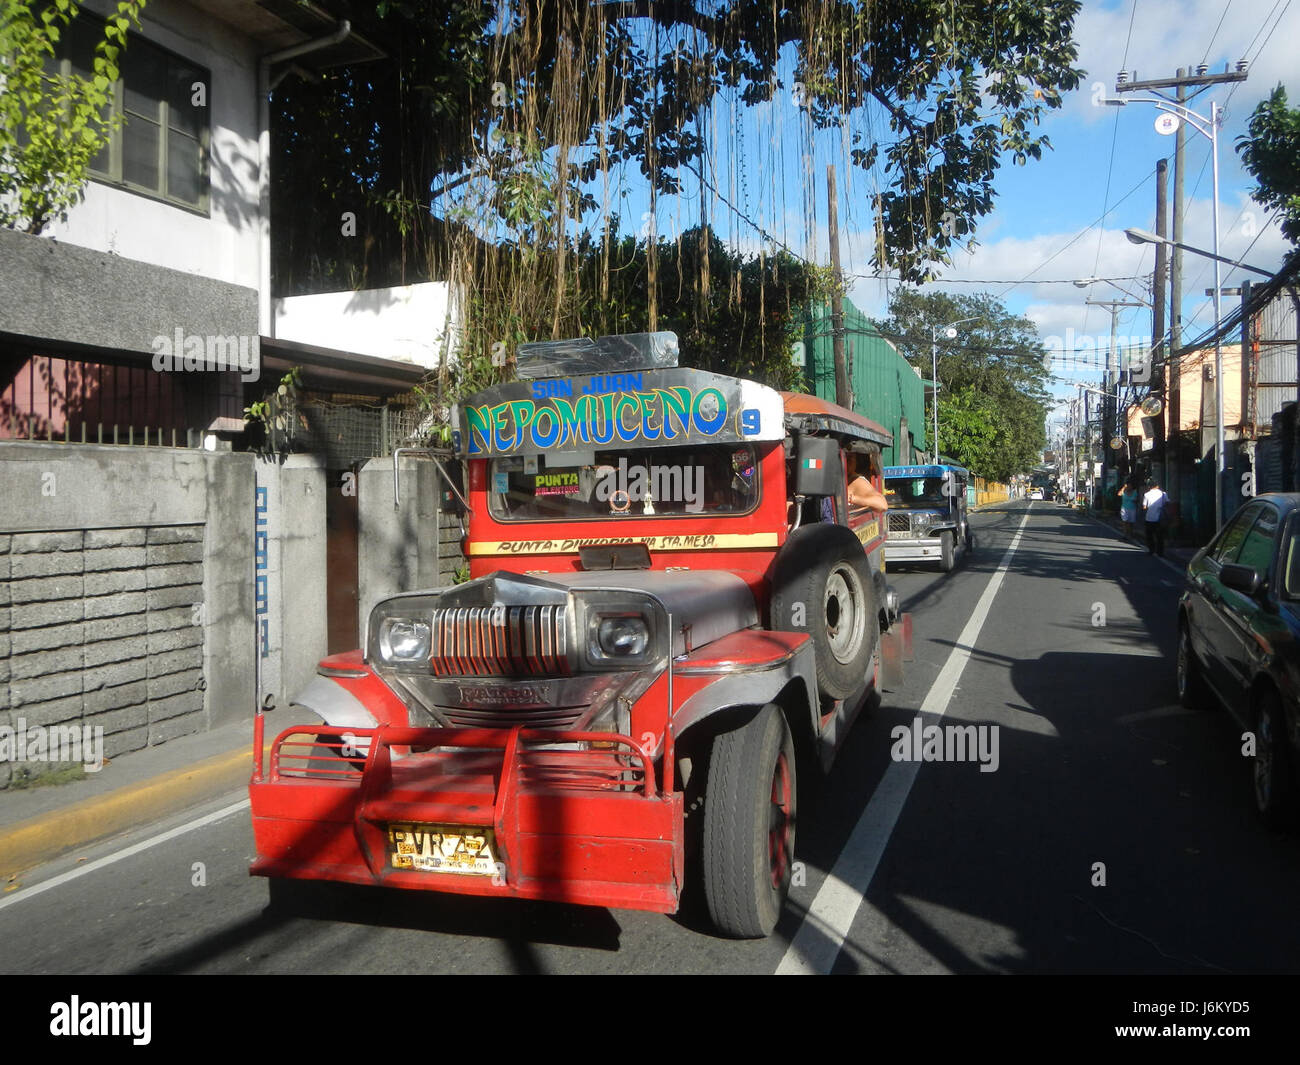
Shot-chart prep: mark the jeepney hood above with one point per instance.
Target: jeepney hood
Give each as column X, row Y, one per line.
column 509, row 649
column 710, row 604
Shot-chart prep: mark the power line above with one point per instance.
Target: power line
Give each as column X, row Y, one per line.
column 1226, row 8
column 1076, row 238
column 1110, row 165
column 1251, row 59
column 993, row 280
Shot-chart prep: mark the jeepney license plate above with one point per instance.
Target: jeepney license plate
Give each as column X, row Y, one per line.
column 442, row 849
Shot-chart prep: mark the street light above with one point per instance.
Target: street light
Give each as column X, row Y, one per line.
column 950, row 331
column 1167, row 123
column 1142, row 236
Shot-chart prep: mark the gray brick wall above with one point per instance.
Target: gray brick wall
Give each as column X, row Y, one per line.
column 102, row 628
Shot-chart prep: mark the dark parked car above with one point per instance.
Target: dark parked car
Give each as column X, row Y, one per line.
column 1238, row 633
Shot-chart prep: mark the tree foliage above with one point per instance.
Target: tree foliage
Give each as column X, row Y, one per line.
column 743, row 322
column 1270, row 150
column 932, row 96
column 992, row 401
column 52, row 124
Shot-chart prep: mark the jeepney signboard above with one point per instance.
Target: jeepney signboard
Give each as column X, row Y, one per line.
column 649, row 408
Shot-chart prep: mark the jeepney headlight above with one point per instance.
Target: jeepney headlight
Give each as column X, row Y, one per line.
column 622, row 637
column 616, row 631
column 403, row 640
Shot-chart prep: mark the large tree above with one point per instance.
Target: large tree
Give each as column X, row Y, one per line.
column 992, row 400
column 931, row 95
column 1270, row 150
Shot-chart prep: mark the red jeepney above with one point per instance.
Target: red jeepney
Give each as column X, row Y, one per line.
column 672, row 614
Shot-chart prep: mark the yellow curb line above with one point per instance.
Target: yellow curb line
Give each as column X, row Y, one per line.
column 38, row 839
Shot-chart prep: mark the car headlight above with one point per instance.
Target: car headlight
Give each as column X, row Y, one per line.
column 622, row 637
column 404, row 641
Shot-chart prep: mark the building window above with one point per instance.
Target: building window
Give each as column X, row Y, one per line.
column 162, row 148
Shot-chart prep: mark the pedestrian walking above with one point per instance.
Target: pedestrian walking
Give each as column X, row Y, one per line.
column 1128, row 506
column 1154, row 502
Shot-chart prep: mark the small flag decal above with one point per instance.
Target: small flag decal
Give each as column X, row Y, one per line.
column 812, row 464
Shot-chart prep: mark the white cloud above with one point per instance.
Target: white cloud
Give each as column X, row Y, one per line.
column 1176, row 33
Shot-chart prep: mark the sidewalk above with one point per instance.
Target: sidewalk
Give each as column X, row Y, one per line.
column 38, row 824
column 1177, row 557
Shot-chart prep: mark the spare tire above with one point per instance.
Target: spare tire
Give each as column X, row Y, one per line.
column 822, row 585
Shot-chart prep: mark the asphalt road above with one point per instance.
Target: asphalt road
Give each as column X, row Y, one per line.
column 1115, row 835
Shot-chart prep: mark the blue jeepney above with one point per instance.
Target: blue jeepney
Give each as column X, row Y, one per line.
column 927, row 514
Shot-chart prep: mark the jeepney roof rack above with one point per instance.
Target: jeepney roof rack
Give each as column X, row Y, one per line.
column 608, row 354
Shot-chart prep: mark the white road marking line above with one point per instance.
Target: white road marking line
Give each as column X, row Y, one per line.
column 135, row 848
column 820, row 937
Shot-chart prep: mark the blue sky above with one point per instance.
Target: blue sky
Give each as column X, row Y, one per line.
column 1044, row 227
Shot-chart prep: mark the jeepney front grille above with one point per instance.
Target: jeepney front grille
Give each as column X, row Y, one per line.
column 497, row 641
column 899, row 524
column 558, row 719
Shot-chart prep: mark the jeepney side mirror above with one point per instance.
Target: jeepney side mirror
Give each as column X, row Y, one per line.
column 819, row 471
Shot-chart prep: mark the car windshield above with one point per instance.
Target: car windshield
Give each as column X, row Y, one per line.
column 666, row 481
column 915, row 491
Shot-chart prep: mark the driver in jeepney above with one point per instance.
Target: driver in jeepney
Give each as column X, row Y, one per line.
column 862, row 494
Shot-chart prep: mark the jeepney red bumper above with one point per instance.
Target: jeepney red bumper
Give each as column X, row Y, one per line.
column 471, row 811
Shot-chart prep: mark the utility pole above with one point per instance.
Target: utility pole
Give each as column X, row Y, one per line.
column 842, row 396
column 1174, row 440
column 1087, row 443
column 1159, row 374
column 1180, row 83
column 1110, row 381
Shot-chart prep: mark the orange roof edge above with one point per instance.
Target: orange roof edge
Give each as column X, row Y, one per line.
column 801, row 403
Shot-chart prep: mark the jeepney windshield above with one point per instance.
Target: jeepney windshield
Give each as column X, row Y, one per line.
column 915, row 491
column 706, row 479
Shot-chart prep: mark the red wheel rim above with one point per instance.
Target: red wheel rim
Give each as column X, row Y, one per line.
column 781, row 822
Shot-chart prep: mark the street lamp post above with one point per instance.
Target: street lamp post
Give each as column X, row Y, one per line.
column 1175, row 114
column 950, row 332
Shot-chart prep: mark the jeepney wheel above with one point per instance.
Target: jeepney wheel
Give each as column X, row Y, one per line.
column 822, row 585
column 946, row 550
column 749, row 825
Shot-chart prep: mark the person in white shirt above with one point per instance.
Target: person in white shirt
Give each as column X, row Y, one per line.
column 1153, row 502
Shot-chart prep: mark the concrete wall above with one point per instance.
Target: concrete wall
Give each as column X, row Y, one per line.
column 406, row 323
column 126, row 597
column 94, row 300
column 408, row 548
column 223, row 245
column 289, row 573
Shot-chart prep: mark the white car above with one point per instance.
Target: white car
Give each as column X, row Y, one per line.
column 1035, row 493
